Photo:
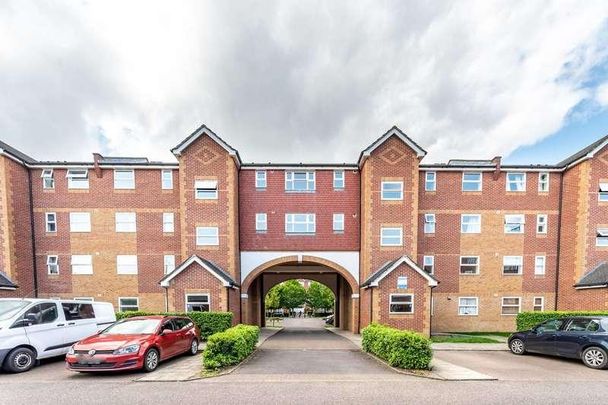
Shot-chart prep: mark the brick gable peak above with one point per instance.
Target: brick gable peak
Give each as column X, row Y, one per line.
column 396, row 132
column 203, row 130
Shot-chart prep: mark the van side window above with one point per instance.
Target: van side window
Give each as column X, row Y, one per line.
column 38, row 314
column 74, row 311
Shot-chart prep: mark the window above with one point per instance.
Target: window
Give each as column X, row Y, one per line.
column 430, row 181
column 511, row 305
column 261, row 222
column 207, row 236
column 468, row 306
column 512, row 265
column 126, row 264
column 128, row 304
column 392, row 190
column 469, row 264
column 124, row 179
column 543, row 182
column 78, row 178
column 260, row 179
column 602, row 237
column 428, row 264
column 401, row 304
column 197, row 303
column 126, row 222
column 580, row 325
column 541, row 223
column 48, row 182
column 38, row 314
column 338, row 179
column 51, row 222
column 169, row 263
column 299, row 223
column 168, row 222
column 515, row 223
column 470, row 223
column 539, row 265
column 74, row 311
column 82, row 264
column 205, row 189
column 338, row 223
column 551, row 325
column 52, row 264
column 300, row 181
column 391, row 236
column 539, row 304
column 516, row 182
column 429, row 223
column 603, row 193
column 80, row 222
column 166, row 179
column 471, row 181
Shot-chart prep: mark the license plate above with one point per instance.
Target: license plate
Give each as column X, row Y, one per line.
column 88, row 361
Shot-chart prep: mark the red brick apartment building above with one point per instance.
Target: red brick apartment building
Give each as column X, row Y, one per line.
column 459, row 246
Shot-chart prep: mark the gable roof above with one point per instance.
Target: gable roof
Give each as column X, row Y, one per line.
column 8, row 149
column 585, row 153
column 388, row 267
column 394, row 131
column 596, row 278
column 214, row 269
column 204, row 130
column 6, row 283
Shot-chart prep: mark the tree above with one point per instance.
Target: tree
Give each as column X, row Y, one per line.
column 319, row 296
column 292, row 294
column 273, row 298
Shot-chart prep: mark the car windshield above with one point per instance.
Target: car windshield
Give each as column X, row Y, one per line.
column 133, row 327
column 10, row 308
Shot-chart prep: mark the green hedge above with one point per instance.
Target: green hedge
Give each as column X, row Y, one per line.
column 208, row 322
column 231, row 346
column 527, row 320
column 400, row 348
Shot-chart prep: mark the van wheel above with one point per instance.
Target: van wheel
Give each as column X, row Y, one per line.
column 19, row 360
column 595, row 357
column 193, row 347
column 151, row 360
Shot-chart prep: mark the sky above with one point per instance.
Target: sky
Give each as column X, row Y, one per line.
column 304, row 81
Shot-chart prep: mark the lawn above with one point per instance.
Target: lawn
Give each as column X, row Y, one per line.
column 462, row 339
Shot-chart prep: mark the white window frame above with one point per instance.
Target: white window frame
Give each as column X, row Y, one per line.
column 78, row 179
column 308, row 220
column 338, row 222
column 261, row 222
column 464, row 226
column 126, row 264
column 260, row 179
column 502, row 306
column 510, row 182
column 339, row 180
column 513, row 261
column 543, row 185
column 125, row 222
column 49, row 222
column 83, row 265
column 428, row 261
column 510, row 222
column 541, row 305
column 385, row 239
column 601, row 239
column 205, row 189
column 168, row 222
column 122, row 307
column 168, row 263
column 383, row 190
column 207, row 236
column 478, row 183
column 477, row 265
column 309, row 181
column 540, row 265
column 391, row 303
column 430, row 221
column 208, row 303
column 77, row 222
column 52, row 260
column 48, row 181
column 542, row 223
column 602, row 195
column 430, row 184
column 166, row 179
column 126, row 183
column 462, row 308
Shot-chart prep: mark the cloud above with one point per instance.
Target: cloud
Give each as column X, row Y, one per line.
column 294, row 81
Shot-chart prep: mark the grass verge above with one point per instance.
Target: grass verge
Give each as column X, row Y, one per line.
column 462, row 339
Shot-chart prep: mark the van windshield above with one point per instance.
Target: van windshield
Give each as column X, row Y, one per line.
column 10, row 308
column 133, row 327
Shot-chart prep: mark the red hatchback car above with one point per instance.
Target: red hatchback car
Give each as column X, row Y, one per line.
column 135, row 343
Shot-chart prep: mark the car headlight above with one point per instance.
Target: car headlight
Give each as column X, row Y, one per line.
column 127, row 349
column 71, row 351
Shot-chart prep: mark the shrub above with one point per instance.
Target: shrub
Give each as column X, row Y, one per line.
column 208, row 322
column 527, row 320
column 231, row 346
column 400, row 348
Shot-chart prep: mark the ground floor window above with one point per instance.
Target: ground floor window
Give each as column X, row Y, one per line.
column 197, row 303
column 401, row 304
column 511, row 305
column 468, row 306
column 128, row 304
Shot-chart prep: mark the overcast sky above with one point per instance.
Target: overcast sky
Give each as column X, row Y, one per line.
column 298, row 80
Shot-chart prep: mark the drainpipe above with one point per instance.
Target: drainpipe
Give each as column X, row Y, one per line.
column 33, row 233
column 166, row 299
column 559, row 236
column 371, row 305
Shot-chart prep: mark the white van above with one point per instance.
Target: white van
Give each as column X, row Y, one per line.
column 32, row 329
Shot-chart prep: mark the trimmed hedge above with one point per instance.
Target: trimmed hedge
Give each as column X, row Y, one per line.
column 527, row 320
column 208, row 322
column 400, row 348
column 231, row 346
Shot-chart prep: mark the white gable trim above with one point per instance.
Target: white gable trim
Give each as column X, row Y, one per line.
column 394, row 131
column 409, row 262
column 166, row 282
column 203, row 130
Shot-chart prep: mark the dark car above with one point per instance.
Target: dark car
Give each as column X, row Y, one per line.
column 584, row 337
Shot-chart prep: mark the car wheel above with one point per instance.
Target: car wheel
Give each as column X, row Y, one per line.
column 595, row 357
column 19, row 360
column 517, row 346
column 193, row 347
column 151, row 360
